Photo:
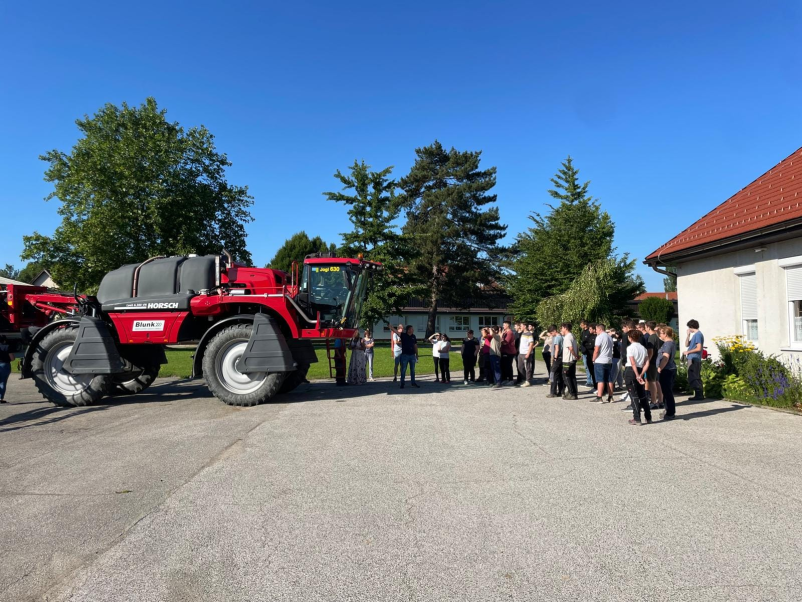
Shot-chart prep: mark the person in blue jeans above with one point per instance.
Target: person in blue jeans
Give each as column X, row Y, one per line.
column 695, row 342
column 6, row 357
column 409, row 356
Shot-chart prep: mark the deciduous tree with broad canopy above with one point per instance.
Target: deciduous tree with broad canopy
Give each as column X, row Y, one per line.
column 296, row 248
column 136, row 186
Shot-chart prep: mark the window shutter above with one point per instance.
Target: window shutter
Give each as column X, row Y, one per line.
column 793, row 277
column 749, row 296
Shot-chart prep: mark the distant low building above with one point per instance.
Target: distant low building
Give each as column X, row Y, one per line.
column 635, row 305
column 453, row 321
column 7, row 281
column 44, row 279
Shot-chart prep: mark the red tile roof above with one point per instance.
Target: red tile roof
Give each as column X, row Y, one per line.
column 773, row 198
column 669, row 296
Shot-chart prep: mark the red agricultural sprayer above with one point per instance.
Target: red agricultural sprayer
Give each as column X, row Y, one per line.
column 253, row 327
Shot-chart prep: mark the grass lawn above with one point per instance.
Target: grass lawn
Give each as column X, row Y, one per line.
column 179, row 363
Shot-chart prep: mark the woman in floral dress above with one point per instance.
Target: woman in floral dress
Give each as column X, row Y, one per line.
column 356, row 370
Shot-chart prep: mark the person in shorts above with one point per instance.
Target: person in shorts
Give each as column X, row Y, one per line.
column 603, row 364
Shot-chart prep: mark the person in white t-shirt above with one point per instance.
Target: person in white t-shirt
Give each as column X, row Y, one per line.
column 435, row 340
column 570, row 354
column 603, row 364
column 526, row 354
column 635, row 377
column 395, row 345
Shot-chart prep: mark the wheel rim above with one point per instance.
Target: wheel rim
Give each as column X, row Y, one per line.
column 58, row 378
column 228, row 373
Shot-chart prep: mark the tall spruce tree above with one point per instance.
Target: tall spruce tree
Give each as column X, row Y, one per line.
column 372, row 210
column 454, row 223
column 552, row 253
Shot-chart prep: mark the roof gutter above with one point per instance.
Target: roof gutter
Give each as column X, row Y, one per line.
column 788, row 227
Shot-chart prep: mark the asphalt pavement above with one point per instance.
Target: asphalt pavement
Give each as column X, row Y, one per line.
column 371, row 493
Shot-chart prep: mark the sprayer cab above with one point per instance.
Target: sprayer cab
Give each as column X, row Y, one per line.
column 333, row 289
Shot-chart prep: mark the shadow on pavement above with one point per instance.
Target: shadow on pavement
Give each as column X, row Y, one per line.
column 50, row 414
column 328, row 390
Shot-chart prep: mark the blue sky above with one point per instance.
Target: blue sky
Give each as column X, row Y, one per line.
column 667, row 108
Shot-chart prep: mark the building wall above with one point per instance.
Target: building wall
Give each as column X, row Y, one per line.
column 444, row 323
column 709, row 291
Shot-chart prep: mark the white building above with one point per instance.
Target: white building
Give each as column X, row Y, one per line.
column 454, row 322
column 739, row 268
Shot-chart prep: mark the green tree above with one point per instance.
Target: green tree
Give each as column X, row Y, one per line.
column 596, row 294
column 30, row 271
column 9, row 272
column 453, row 223
column 295, row 248
column 670, row 283
column 656, row 308
column 135, row 186
column 553, row 252
column 372, row 210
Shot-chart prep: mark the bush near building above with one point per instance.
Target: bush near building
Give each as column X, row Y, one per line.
column 744, row 373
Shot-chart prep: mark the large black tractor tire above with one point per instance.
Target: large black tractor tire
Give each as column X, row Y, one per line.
column 136, row 382
column 56, row 385
column 294, row 379
column 223, row 378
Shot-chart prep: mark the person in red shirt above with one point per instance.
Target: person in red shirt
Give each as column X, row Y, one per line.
column 508, row 352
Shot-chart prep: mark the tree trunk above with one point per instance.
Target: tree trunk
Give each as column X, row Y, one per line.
column 431, row 322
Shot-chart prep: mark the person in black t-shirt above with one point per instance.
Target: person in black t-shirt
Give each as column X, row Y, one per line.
column 6, row 357
column 470, row 351
column 409, row 355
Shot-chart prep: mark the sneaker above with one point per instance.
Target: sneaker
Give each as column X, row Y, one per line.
column 548, row 384
column 571, row 398
column 402, row 385
column 464, row 382
column 609, row 399
column 496, row 386
column 664, row 416
column 652, row 406
column 634, row 422
column 598, row 400
column 550, row 396
column 627, row 409
column 648, row 421
column 416, row 385
column 526, row 384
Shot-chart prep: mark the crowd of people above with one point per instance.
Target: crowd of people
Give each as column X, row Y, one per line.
column 638, row 360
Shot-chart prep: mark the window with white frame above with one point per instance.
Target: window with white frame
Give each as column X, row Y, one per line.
column 459, row 323
column 485, row 321
column 793, row 279
column 749, row 306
